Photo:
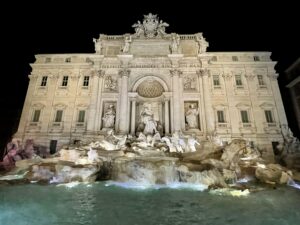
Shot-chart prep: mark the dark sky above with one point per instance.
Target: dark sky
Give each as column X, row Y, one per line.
column 69, row 27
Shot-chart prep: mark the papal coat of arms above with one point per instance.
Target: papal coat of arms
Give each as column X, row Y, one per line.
column 151, row 27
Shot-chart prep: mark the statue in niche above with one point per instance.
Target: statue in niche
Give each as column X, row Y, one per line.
column 147, row 117
column 126, row 46
column 191, row 116
column 174, row 47
column 109, row 117
column 110, row 83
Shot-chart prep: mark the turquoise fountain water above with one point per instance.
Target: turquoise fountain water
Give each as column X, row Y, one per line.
column 100, row 203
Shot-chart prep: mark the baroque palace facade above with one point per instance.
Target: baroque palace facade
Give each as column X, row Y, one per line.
column 76, row 97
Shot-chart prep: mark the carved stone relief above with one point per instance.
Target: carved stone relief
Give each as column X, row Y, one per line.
column 189, row 83
column 110, row 83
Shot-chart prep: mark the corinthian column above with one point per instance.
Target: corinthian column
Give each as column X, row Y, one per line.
column 175, row 73
column 97, row 79
column 123, row 128
column 209, row 113
column 167, row 125
column 133, row 110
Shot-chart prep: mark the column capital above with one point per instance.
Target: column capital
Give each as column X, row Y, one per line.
column 249, row 76
column 175, row 72
column 124, row 72
column 98, row 73
column 203, row 72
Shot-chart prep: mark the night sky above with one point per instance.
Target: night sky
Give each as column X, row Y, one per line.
column 51, row 27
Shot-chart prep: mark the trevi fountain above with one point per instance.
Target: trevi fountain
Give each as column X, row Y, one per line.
column 158, row 161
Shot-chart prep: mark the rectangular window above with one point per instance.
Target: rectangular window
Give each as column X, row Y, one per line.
column 44, row 81
column 244, row 115
column 221, row 118
column 86, row 80
column 238, row 80
column 269, row 117
column 235, row 58
column 216, row 80
column 58, row 116
column 65, row 81
column 260, row 79
column 256, row 58
column 36, row 115
column 81, row 116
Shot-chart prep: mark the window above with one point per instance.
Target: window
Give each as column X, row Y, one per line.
column 261, row 81
column 244, row 115
column 269, row 117
column 235, row 58
column 48, row 60
column 256, row 58
column 58, row 116
column 44, row 81
column 216, row 80
column 81, row 116
column 220, row 115
column 86, row 80
column 238, row 80
column 68, row 60
column 65, row 81
column 36, row 115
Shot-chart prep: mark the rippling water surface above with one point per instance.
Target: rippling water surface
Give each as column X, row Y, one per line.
column 101, row 204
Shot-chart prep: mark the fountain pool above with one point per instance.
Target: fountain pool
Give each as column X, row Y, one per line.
column 100, row 203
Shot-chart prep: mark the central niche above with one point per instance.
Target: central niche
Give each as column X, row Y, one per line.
column 150, row 88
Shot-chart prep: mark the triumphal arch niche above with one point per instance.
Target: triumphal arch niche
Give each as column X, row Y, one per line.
column 153, row 81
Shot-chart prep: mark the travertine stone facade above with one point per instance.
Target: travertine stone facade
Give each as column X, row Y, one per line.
column 235, row 94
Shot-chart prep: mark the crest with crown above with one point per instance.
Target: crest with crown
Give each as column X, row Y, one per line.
column 151, row 27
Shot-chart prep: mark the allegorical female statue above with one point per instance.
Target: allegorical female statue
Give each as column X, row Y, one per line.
column 191, row 116
column 109, row 117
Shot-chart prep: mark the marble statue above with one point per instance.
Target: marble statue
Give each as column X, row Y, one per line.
column 147, row 117
column 126, row 46
column 98, row 46
column 139, row 29
column 201, row 43
column 191, row 144
column 191, row 116
column 161, row 29
column 109, row 117
column 174, row 47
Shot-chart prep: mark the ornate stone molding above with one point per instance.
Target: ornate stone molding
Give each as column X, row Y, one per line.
column 151, row 27
column 124, row 72
column 175, row 72
column 227, row 76
column 273, row 76
column 250, row 76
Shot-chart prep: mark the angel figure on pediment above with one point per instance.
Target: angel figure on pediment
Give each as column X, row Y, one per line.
column 139, row 28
